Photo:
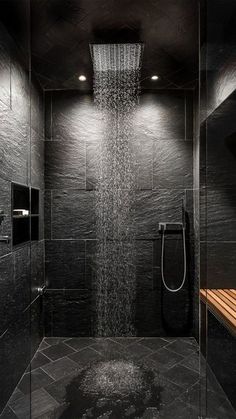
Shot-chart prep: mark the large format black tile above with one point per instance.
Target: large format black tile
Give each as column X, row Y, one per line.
column 38, row 361
column 37, row 106
column 14, row 153
column 33, row 381
column 37, row 160
column 58, row 389
column 58, row 351
column 73, row 214
column 5, row 223
column 15, row 348
column 48, row 214
column 182, row 376
column 37, row 267
column 138, row 351
column 79, row 343
column 22, row 291
column 172, row 164
column 68, row 313
column 179, row 410
column 154, row 343
column 86, row 356
column 219, row 210
column 65, row 164
column 92, row 162
column 65, row 264
column 221, row 172
column 7, row 291
column 60, row 368
column 8, row 414
column 35, row 405
column 142, row 156
column 181, row 347
column 74, row 116
column 161, row 116
column 221, row 264
column 107, row 347
column 5, row 69
column 152, row 207
column 165, row 359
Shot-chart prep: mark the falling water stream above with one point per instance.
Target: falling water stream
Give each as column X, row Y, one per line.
column 116, row 90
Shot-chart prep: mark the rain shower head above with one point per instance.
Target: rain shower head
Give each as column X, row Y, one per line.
column 116, row 57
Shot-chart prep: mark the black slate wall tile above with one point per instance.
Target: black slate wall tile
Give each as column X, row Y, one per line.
column 65, row 264
column 7, row 291
column 14, row 153
column 5, row 206
column 74, row 116
column 68, row 313
column 5, row 79
column 221, row 153
column 37, row 160
column 65, row 164
column 37, row 278
column 47, row 214
column 22, row 284
column 221, row 264
column 219, row 208
column 152, row 207
column 161, row 116
column 189, row 115
column 21, row 161
column 15, row 355
column 73, row 214
column 173, row 164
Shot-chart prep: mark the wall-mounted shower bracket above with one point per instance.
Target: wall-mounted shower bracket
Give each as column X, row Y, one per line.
column 170, row 227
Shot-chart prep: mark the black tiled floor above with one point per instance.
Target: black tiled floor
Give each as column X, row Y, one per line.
column 31, row 382
column 57, row 351
column 86, row 356
column 182, row 347
column 165, row 359
column 39, row 360
column 79, row 343
column 8, row 414
column 60, row 368
column 153, row 343
column 115, row 378
column 184, row 377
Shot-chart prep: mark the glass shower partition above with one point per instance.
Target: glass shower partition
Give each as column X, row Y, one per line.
column 217, row 208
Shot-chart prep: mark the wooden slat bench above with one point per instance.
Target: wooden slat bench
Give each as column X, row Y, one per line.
column 222, row 303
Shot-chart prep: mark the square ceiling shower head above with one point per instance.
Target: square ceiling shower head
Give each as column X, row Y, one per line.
column 116, row 57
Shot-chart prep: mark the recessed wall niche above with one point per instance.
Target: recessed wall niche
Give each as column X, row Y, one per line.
column 25, row 214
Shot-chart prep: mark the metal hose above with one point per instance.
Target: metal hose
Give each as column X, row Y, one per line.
column 162, row 262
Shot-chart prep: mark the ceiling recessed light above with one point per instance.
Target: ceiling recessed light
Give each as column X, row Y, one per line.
column 154, row 77
column 82, row 78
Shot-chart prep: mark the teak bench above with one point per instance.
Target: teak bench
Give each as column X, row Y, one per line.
column 222, row 303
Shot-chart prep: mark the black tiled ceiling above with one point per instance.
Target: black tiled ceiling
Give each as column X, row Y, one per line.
column 63, row 29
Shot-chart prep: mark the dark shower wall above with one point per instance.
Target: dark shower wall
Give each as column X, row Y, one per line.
column 218, row 182
column 164, row 160
column 21, row 161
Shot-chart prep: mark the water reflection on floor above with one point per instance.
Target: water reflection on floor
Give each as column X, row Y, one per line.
column 115, row 378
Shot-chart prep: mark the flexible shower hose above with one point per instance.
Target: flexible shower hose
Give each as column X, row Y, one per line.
column 162, row 263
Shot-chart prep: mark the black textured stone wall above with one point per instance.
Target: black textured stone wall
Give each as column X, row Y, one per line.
column 21, row 161
column 163, row 154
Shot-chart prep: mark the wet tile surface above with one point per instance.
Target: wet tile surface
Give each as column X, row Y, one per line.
column 115, row 378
